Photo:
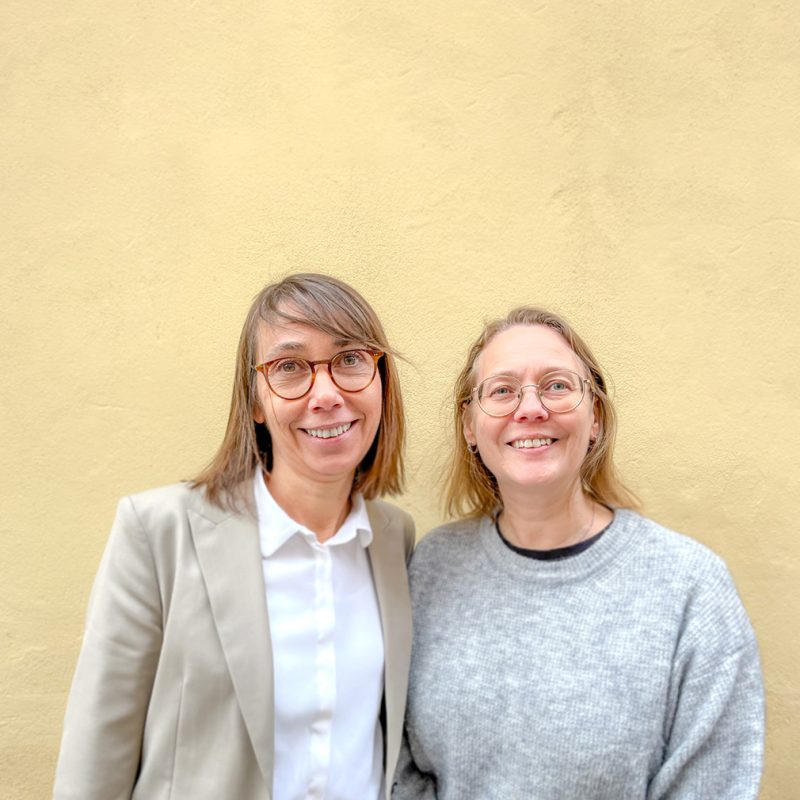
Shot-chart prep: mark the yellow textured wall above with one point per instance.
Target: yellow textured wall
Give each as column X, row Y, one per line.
column 632, row 164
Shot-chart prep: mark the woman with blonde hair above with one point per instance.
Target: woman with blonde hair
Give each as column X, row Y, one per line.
column 565, row 647
column 248, row 633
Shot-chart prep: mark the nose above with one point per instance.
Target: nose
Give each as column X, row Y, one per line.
column 324, row 392
column 530, row 405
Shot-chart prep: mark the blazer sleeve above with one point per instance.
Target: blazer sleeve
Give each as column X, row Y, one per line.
column 102, row 739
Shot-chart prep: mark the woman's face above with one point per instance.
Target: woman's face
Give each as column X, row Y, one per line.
column 303, row 448
column 527, row 352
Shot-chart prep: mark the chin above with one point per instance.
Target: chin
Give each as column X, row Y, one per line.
column 532, row 478
column 336, row 465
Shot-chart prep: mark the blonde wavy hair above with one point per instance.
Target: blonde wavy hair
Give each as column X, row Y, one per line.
column 335, row 308
column 470, row 488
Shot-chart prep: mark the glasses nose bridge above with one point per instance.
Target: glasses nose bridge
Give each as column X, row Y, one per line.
column 325, row 362
column 536, row 393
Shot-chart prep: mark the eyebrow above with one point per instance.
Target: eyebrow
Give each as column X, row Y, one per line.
column 286, row 347
column 294, row 347
column 544, row 371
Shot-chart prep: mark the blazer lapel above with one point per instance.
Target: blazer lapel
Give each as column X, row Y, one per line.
column 387, row 558
column 229, row 554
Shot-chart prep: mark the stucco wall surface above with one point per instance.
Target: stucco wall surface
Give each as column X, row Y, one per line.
column 634, row 165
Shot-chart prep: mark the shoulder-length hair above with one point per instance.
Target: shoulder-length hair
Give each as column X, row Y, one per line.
column 335, row 308
column 471, row 489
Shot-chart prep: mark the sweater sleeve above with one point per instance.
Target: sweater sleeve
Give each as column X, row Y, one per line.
column 715, row 723
column 101, row 744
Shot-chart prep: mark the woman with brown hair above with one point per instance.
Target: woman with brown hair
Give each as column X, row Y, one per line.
column 248, row 633
column 566, row 647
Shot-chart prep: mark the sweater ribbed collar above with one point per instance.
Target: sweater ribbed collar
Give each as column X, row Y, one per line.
column 608, row 553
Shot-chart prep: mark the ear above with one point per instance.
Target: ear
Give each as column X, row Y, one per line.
column 258, row 413
column 596, row 425
column 466, row 426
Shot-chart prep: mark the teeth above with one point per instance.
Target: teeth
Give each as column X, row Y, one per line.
column 326, row 433
column 520, row 443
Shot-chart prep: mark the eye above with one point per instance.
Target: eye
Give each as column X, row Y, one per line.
column 559, row 384
column 500, row 391
column 288, row 366
column 351, row 359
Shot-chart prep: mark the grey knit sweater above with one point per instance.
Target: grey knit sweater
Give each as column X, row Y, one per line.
column 626, row 672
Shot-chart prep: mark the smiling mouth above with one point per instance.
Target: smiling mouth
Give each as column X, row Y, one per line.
column 328, row 433
column 525, row 444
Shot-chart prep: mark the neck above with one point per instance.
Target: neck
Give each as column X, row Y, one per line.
column 538, row 523
column 321, row 507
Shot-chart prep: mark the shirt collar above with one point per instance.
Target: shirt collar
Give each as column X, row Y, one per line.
column 276, row 527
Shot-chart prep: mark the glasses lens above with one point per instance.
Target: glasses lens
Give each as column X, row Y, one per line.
column 561, row 390
column 290, row 377
column 353, row 370
column 499, row 395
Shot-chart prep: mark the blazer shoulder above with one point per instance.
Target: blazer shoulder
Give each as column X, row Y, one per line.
column 174, row 494
column 175, row 497
column 398, row 521
column 184, row 495
column 169, row 507
column 391, row 511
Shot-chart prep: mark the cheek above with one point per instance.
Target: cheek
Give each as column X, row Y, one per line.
column 374, row 412
column 371, row 403
column 587, row 428
column 488, row 434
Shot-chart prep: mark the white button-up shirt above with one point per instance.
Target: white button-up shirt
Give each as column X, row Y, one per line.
column 327, row 651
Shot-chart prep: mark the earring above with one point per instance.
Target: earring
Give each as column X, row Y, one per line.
column 473, row 448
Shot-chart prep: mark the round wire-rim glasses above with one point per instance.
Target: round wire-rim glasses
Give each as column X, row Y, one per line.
column 292, row 378
column 559, row 391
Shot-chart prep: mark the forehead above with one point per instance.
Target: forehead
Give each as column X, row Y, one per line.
column 526, row 348
column 282, row 337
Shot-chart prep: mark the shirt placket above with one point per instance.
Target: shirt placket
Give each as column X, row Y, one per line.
column 325, row 671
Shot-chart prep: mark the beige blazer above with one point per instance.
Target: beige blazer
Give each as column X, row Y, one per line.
column 172, row 697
